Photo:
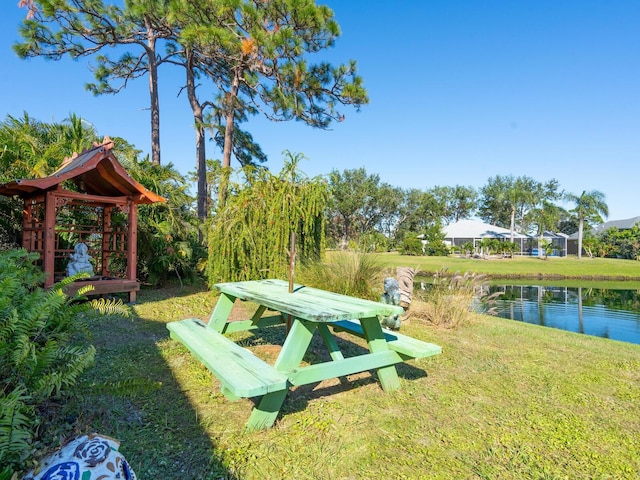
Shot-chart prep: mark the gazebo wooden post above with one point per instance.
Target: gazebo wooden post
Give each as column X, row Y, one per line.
column 106, row 239
column 30, row 239
column 132, row 245
column 49, row 234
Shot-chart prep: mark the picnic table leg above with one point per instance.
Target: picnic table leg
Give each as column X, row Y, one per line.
column 330, row 342
column 374, row 336
column 295, row 346
column 264, row 414
column 221, row 312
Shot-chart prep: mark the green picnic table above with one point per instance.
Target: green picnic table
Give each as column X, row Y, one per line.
column 243, row 375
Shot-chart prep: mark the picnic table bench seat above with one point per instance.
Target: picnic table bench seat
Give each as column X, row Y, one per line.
column 241, row 373
column 406, row 347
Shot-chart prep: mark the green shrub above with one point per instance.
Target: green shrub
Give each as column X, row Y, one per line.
column 436, row 249
column 434, row 240
column 411, row 246
column 373, row 242
column 467, row 248
column 44, row 348
column 509, row 248
column 168, row 244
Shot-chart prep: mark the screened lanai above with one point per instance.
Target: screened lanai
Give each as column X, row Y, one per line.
column 474, row 231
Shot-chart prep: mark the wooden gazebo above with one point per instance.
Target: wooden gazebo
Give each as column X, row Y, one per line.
column 102, row 214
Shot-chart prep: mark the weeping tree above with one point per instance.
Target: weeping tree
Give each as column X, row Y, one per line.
column 249, row 237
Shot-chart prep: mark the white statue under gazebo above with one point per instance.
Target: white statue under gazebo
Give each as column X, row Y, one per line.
column 80, row 261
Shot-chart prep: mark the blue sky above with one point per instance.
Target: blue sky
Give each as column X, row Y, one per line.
column 460, row 91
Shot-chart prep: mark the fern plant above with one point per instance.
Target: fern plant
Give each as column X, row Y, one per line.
column 15, row 426
column 44, row 348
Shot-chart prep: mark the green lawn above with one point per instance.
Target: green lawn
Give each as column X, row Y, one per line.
column 505, row 400
column 559, row 267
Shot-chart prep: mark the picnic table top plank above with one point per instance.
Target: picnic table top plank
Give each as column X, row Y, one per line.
column 306, row 303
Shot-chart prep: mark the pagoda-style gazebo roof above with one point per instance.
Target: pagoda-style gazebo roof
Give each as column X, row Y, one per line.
column 102, row 214
column 95, row 172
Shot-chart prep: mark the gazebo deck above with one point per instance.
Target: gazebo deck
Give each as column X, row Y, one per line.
column 105, row 286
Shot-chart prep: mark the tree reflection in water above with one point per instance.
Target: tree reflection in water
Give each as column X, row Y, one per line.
column 603, row 312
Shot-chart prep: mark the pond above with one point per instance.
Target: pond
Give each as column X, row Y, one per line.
column 603, row 312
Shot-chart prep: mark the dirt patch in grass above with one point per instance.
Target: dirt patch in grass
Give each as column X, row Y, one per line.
column 269, row 353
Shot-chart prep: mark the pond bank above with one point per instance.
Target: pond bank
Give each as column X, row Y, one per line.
column 554, row 268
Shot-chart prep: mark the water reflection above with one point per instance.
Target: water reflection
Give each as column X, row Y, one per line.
column 608, row 313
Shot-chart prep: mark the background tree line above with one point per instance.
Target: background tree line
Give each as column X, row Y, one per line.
column 363, row 207
column 350, row 209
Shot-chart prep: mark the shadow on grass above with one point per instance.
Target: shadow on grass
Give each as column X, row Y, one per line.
column 164, row 406
column 131, row 394
column 299, row 397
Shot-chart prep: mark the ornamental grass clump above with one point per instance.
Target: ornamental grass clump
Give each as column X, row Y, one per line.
column 452, row 300
column 349, row 273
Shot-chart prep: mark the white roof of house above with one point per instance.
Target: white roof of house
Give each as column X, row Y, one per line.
column 477, row 229
column 621, row 224
column 625, row 224
column 548, row 234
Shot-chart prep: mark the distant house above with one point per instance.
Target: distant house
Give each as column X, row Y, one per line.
column 559, row 242
column 626, row 224
column 619, row 224
column 474, row 231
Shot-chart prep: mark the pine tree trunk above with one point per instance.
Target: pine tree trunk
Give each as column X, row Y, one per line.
column 153, row 94
column 229, row 127
column 201, row 154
